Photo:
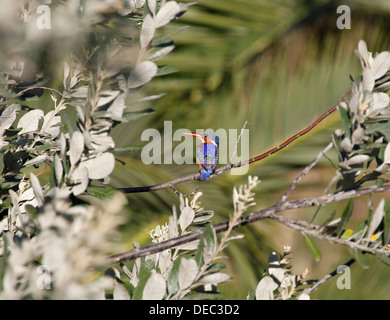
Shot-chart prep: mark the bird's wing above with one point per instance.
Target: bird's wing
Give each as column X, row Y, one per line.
column 207, row 155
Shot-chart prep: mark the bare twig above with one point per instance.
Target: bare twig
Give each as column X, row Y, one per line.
column 178, row 193
column 306, row 171
column 238, row 140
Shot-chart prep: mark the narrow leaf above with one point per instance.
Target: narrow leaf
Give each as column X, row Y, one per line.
column 376, row 218
column 128, row 148
column 76, row 147
column 131, row 116
column 345, row 217
column 100, row 192
column 346, row 121
column 37, row 189
column 147, row 31
column 214, row 278
column 386, row 237
column 312, row 247
column 58, row 169
column 166, row 13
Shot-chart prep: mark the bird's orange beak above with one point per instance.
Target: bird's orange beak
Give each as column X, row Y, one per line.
column 197, row 135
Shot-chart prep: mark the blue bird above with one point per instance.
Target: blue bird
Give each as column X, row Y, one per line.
column 206, row 153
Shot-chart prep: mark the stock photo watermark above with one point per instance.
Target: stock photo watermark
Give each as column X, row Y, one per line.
column 160, row 150
column 344, row 278
column 44, row 17
column 344, row 20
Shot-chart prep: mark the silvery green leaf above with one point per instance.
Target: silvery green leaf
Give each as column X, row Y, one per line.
column 27, row 195
column 265, row 288
column 368, row 79
column 14, row 197
column 155, row 287
column 143, row 73
column 172, row 225
column 386, row 157
column 99, row 167
column 358, row 136
column 147, row 31
column 376, row 218
column 274, row 268
column 8, row 117
column 80, row 92
column 152, row 6
column 120, row 292
column 354, row 102
column 363, row 54
column 346, row 144
column 80, row 178
column 166, row 13
column 58, row 169
column 101, row 142
column 107, row 96
column 116, row 108
column 80, row 113
column 62, row 144
column 202, row 217
column 36, row 160
column 151, row 98
column 37, row 189
column 385, row 86
column 360, row 158
column 381, row 64
column 214, row 278
column 187, row 272
column 303, row 296
column 30, row 121
column 186, row 217
column 235, row 196
column 117, row 274
column 161, row 52
column 380, row 100
column 125, row 270
column 288, row 281
column 50, row 125
column 66, row 74
column 76, row 147
column 165, row 262
column 193, row 245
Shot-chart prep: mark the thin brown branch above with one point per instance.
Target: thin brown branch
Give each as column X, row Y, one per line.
column 267, row 213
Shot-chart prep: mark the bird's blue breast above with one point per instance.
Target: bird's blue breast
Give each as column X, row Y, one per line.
column 208, row 157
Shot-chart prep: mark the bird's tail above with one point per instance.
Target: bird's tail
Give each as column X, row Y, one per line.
column 204, row 174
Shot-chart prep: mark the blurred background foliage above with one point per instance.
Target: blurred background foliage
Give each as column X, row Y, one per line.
column 279, row 65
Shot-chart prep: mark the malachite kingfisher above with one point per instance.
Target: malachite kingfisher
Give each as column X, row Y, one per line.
column 206, row 153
